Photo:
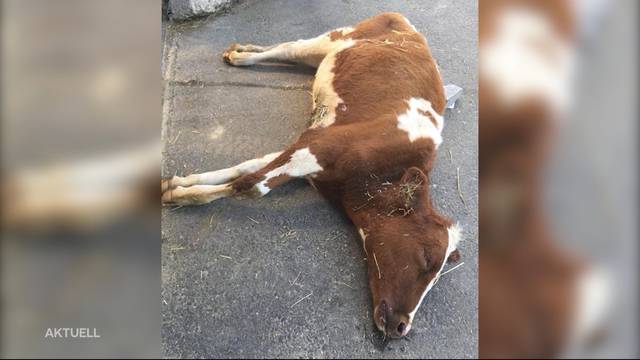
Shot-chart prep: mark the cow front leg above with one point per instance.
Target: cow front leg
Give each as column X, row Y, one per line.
column 218, row 177
column 196, row 195
column 293, row 163
column 297, row 161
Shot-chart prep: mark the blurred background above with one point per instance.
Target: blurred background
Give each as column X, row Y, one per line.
column 81, row 113
column 558, row 167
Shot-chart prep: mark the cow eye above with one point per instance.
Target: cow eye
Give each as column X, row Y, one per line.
column 425, row 261
column 427, row 258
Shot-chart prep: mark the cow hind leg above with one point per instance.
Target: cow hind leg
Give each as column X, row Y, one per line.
column 307, row 51
column 312, row 51
column 249, row 48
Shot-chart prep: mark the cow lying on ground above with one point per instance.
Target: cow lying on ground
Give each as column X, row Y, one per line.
column 378, row 102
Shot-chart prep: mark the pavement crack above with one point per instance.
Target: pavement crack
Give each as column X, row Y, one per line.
column 200, row 83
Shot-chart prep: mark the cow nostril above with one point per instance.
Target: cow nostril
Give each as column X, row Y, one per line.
column 401, row 328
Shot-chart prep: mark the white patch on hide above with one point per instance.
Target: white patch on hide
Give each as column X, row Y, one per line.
column 418, row 125
column 302, row 163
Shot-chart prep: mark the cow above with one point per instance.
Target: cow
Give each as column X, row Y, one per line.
column 377, row 120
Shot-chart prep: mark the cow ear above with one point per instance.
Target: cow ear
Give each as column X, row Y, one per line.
column 413, row 187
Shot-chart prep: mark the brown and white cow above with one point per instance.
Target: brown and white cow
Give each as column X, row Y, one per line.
column 378, row 105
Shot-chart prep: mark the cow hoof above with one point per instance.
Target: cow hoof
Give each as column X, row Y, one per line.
column 165, row 184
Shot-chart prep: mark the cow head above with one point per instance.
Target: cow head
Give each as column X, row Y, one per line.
column 407, row 247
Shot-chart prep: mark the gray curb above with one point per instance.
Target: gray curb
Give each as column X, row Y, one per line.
column 185, row 9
